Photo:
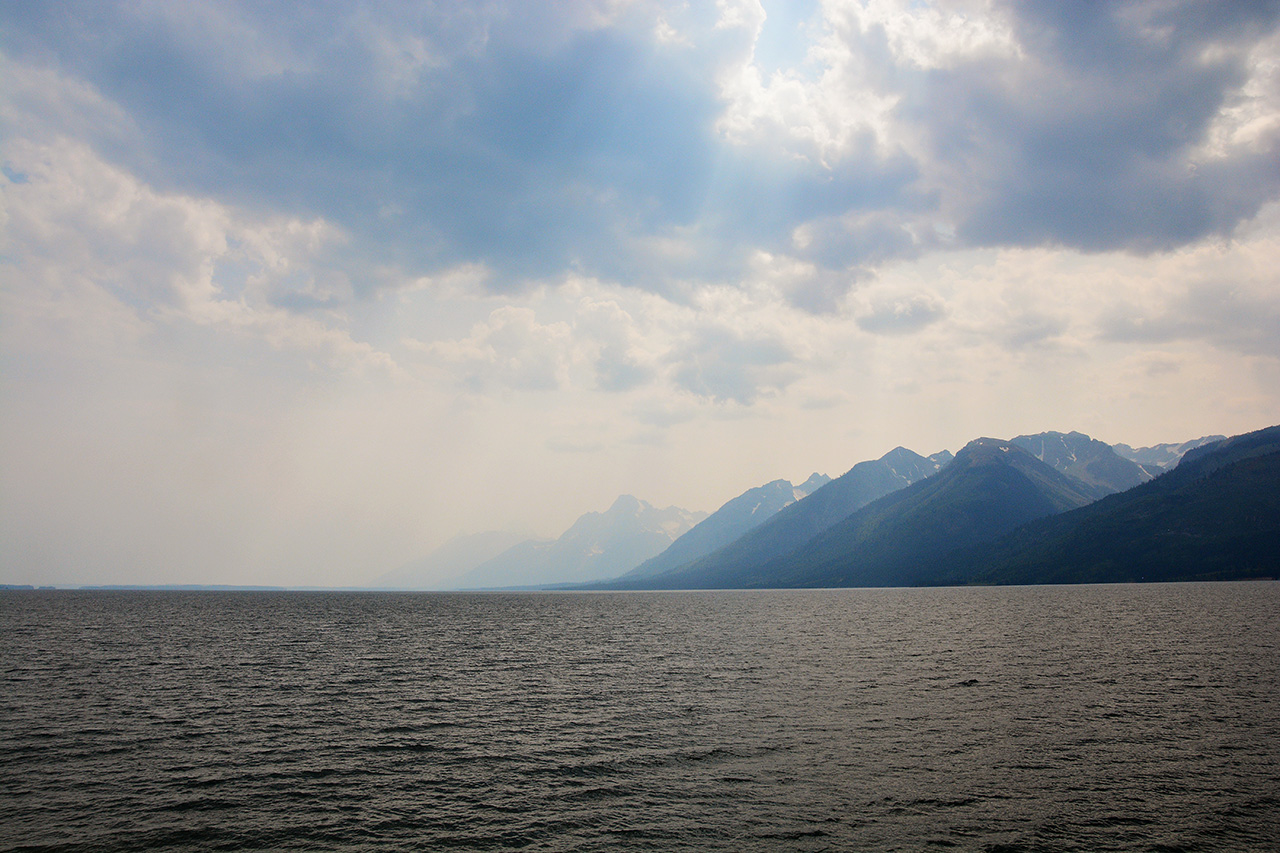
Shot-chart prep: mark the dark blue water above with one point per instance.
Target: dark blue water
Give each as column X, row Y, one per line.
column 1135, row 718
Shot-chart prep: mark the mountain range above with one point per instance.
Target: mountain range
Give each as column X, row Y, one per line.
column 1099, row 469
column 731, row 521
column 1050, row 507
column 598, row 545
column 1159, row 458
column 999, row 514
column 796, row 524
column 1215, row 516
column 990, row 487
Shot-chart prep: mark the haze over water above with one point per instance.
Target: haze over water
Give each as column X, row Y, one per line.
column 1135, row 718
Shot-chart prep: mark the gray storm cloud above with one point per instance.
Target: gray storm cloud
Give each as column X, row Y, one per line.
column 532, row 143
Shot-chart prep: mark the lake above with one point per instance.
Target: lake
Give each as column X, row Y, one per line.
column 1128, row 718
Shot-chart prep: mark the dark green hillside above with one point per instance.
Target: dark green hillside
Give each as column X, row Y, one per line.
column 796, row 524
column 1216, row 516
column 988, row 489
column 998, row 514
column 991, row 488
column 745, row 512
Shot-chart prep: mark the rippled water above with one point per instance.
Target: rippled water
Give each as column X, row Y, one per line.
column 1141, row 718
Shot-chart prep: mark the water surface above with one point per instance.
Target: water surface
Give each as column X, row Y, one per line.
column 1130, row 718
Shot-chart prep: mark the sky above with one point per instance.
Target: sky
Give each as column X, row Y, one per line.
column 293, row 293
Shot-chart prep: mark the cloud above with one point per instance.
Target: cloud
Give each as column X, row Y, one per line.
column 858, row 239
column 592, row 337
column 1094, row 140
column 802, row 283
column 288, row 253
column 511, row 349
column 535, row 141
column 1098, row 128
column 725, row 366
column 460, row 134
column 901, row 315
column 618, row 353
column 1234, row 318
column 1027, row 329
column 86, row 241
column 933, row 36
column 561, row 444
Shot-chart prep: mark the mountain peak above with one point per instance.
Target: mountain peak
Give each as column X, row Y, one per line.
column 626, row 505
column 985, row 451
column 816, row 481
column 1094, row 463
column 899, row 454
column 598, row 545
column 1162, row 457
column 908, row 466
column 735, row 518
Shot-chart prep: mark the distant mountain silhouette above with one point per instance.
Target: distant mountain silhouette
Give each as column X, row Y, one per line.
column 1047, row 508
column 745, row 512
column 1159, row 458
column 1215, row 516
column 599, row 545
column 794, row 525
column 442, row 567
column 990, row 488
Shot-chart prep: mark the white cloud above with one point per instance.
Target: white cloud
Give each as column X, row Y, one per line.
column 902, row 315
column 928, row 36
column 622, row 356
column 80, row 232
column 824, row 118
column 724, row 366
column 510, row 349
column 729, row 344
column 740, row 14
column 848, row 108
column 39, row 103
column 1250, row 117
